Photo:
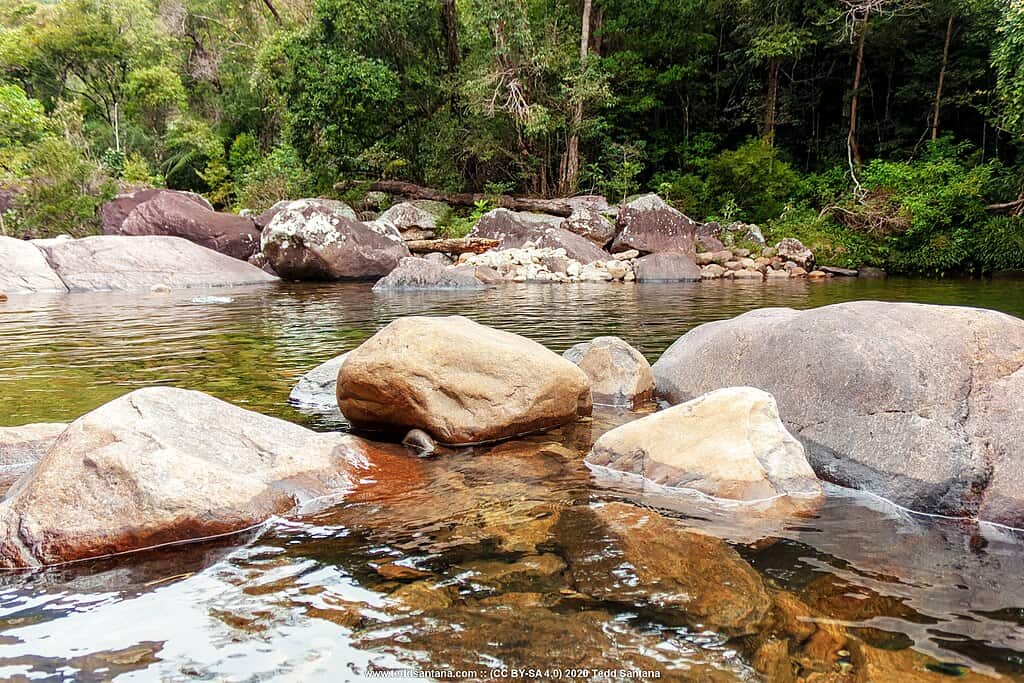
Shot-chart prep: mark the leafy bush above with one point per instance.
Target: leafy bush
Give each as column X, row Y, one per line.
column 276, row 176
column 832, row 243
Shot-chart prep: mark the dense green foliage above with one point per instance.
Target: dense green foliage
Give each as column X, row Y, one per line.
column 732, row 109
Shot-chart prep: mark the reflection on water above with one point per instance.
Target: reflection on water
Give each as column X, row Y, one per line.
column 479, row 559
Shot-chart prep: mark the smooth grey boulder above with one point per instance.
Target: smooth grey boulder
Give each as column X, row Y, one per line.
column 24, row 270
column 178, row 214
column 118, row 262
column 619, row 374
column 316, row 391
column 414, row 273
column 922, row 405
column 412, row 221
column 666, row 267
column 164, row 465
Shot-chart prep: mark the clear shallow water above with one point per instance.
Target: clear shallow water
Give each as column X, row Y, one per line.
column 305, row 599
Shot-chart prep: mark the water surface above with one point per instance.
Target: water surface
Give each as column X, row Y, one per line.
column 490, row 536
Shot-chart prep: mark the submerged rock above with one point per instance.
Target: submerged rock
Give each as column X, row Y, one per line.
column 648, row 224
column 21, row 447
column 419, row 273
column 315, row 239
column 621, row 553
column 729, row 444
column 459, row 381
column 118, row 262
column 179, row 215
column 24, row 270
column 164, row 465
column 919, row 404
column 316, row 391
column 619, row 374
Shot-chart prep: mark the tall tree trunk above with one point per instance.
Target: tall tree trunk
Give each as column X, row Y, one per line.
column 570, row 166
column 773, row 93
column 851, row 139
column 450, row 29
column 942, row 79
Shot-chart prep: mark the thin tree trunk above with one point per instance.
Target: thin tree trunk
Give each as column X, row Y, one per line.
column 273, row 10
column 450, row 28
column 773, row 93
column 570, row 166
column 942, row 78
column 851, row 139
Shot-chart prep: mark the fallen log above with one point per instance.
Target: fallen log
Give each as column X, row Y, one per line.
column 555, row 207
column 453, row 245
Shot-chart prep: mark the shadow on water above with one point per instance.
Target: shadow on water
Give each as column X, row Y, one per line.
column 501, row 556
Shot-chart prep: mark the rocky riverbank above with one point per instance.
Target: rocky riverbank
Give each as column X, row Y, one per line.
column 169, row 239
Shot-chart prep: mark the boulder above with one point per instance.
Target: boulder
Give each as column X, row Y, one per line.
column 164, row 465
column 592, row 224
column 792, row 249
column 180, row 215
column 667, row 267
column 411, row 220
column 459, row 381
column 316, row 391
column 24, row 270
column 116, row 262
column 836, row 270
column 728, row 444
column 514, row 229
column 648, row 224
column 314, row 239
column 619, row 374
column 21, row 447
column 418, row 273
column 918, row 404
column 114, row 212
column 656, row 563
column 333, row 205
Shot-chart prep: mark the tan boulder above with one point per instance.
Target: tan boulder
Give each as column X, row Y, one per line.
column 728, row 444
column 164, row 465
column 619, row 374
column 459, row 381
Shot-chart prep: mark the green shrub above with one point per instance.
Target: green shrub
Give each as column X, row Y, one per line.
column 278, row 175
column 832, row 243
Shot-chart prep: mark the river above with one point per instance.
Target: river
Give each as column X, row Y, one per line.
column 301, row 599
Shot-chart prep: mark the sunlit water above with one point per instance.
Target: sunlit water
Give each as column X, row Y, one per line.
column 303, row 599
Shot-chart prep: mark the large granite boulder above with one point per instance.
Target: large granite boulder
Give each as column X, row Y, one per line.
column 180, row 215
column 728, row 444
column 117, row 262
column 619, row 375
column 24, row 270
column 919, row 404
column 114, row 212
column 648, row 224
column 792, row 249
column 590, row 223
column 622, row 553
column 334, row 205
column 412, row 221
column 314, row 239
column 459, row 381
column 514, row 229
column 667, row 267
column 164, row 465
column 415, row 273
